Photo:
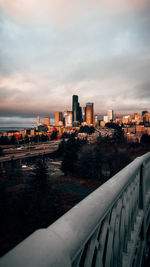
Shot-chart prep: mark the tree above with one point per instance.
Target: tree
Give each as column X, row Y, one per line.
column 145, row 139
column 4, row 140
column 70, row 154
column 38, row 202
column 39, row 179
column 54, row 135
column 89, row 162
column 13, row 140
column 1, row 151
column 87, row 129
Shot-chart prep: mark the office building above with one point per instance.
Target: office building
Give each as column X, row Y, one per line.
column 110, row 114
column 105, row 119
column 58, row 118
column 96, row 122
column 76, row 111
column 83, row 114
column 89, row 113
column 38, row 120
column 47, row 121
column 75, row 108
column 68, row 118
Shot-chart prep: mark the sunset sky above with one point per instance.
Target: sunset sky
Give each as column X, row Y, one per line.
column 50, row 50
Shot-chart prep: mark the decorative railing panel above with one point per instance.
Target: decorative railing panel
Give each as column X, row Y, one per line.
column 108, row 228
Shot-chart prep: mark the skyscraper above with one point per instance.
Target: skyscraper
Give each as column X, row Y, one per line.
column 58, row 118
column 83, row 114
column 68, row 118
column 47, row 121
column 38, row 120
column 75, row 108
column 89, row 114
column 110, row 114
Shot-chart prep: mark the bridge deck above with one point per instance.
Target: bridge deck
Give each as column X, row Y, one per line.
column 108, row 228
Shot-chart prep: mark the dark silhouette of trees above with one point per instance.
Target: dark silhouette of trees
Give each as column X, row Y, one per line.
column 38, row 206
column 1, row 151
column 65, row 135
column 13, row 140
column 4, row 140
column 119, row 133
column 70, row 149
column 89, row 163
column 145, row 139
column 54, row 135
column 87, row 129
column 43, row 138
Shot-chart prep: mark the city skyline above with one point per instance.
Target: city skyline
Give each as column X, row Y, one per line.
column 48, row 53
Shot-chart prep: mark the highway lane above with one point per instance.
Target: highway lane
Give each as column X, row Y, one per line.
column 30, row 151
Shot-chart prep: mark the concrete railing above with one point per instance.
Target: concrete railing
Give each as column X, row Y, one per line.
column 108, row 228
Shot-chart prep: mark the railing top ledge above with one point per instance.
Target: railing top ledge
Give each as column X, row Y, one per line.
column 87, row 213
column 67, row 234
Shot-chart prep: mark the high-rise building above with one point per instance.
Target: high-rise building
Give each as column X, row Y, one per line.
column 58, row 118
column 38, row 120
column 76, row 111
column 110, row 114
column 47, row 121
column 75, row 108
column 83, row 114
column 96, row 120
column 80, row 114
column 105, row 118
column 89, row 114
column 68, row 118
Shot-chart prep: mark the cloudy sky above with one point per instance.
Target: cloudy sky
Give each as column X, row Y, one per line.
column 50, row 50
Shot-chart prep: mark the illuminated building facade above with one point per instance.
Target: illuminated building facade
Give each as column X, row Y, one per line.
column 68, row 118
column 38, row 120
column 110, row 114
column 58, row 118
column 89, row 114
column 47, row 121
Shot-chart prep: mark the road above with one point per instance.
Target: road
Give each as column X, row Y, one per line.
column 29, row 150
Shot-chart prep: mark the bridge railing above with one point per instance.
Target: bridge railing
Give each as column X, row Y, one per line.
column 107, row 228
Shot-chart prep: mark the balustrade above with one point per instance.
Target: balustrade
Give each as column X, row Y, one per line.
column 108, row 228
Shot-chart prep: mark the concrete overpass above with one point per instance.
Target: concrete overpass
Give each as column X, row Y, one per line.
column 39, row 150
column 108, row 228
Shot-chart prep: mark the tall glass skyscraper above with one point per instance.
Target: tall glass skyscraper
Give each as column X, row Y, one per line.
column 76, row 111
column 74, row 108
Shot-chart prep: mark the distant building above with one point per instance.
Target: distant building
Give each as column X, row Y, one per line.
column 126, row 119
column 58, row 118
column 29, row 131
column 83, row 114
column 68, row 118
column 76, row 111
column 38, row 120
column 96, row 121
column 80, row 114
column 105, row 119
column 75, row 108
column 89, row 114
column 110, row 114
column 47, row 121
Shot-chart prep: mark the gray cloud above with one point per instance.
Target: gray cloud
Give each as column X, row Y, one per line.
column 103, row 55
